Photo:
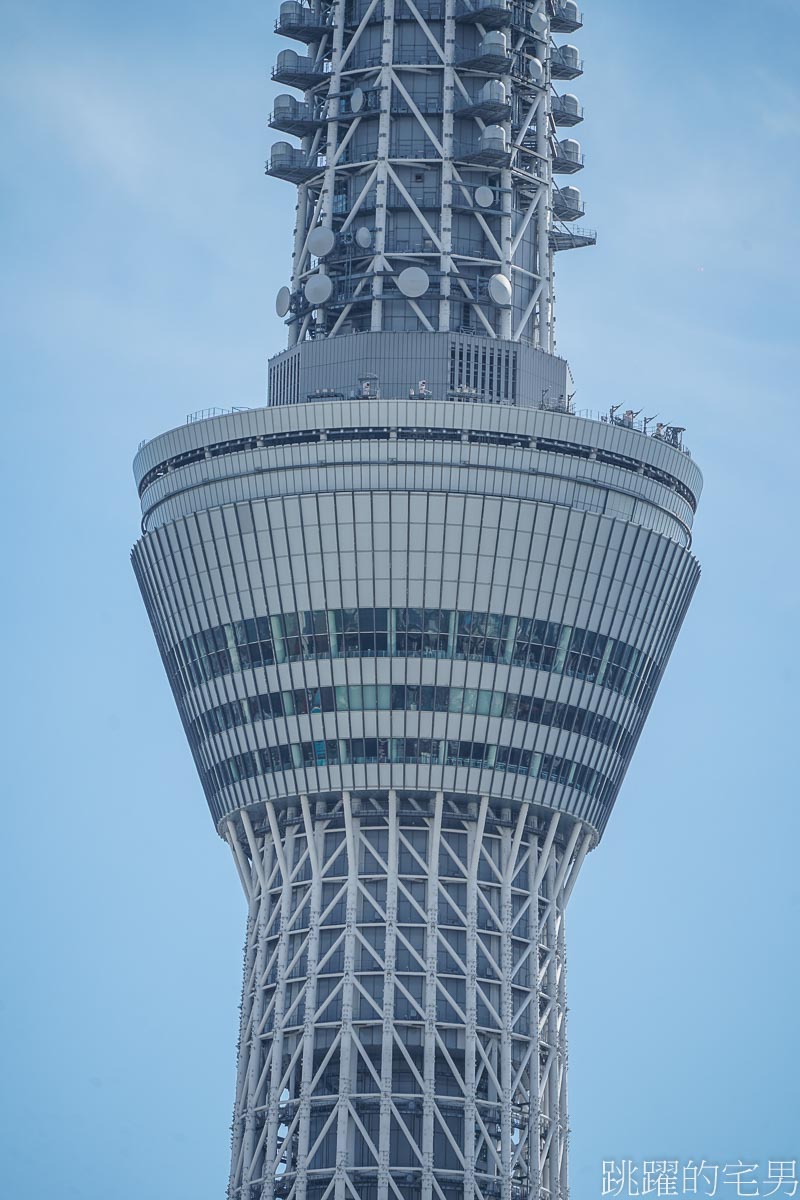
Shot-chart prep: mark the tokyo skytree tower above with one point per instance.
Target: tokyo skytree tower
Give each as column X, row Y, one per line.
column 414, row 612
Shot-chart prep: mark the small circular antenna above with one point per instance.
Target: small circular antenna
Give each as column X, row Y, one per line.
column 356, row 100
column 539, row 25
column 363, row 237
column 500, row 291
column 321, row 241
column 535, row 70
column 413, row 282
column 283, row 301
column 318, row 289
column 484, row 196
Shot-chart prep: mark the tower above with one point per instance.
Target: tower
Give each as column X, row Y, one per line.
column 414, row 613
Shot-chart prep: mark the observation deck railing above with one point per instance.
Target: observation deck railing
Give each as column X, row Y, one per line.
column 203, row 414
column 672, row 435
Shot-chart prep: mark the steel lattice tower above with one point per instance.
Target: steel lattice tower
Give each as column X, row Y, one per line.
column 414, row 613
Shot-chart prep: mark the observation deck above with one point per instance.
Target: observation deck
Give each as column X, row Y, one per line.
column 610, row 463
column 455, row 461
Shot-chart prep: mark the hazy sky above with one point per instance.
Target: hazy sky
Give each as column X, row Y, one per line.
column 142, row 251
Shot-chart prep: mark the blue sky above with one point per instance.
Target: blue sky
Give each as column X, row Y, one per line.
column 142, row 248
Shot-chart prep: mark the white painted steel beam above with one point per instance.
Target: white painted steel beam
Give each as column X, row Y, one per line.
column 404, row 1003
column 411, row 84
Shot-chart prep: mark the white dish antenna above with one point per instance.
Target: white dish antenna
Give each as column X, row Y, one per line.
column 500, row 292
column 321, row 241
column 413, row 282
column 539, row 25
column 318, row 289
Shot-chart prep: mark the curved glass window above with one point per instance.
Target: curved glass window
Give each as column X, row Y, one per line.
column 432, row 751
column 414, row 633
column 412, row 698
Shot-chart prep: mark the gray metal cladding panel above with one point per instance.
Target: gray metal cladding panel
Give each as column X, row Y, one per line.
column 466, row 554
column 504, row 372
column 330, row 414
column 425, row 445
column 481, row 470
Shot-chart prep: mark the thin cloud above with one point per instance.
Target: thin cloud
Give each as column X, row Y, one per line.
column 139, row 138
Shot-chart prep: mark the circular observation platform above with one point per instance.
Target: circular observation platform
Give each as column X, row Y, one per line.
column 420, row 596
column 421, row 445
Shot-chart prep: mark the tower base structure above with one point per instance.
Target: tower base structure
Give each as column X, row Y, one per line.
column 403, row 1027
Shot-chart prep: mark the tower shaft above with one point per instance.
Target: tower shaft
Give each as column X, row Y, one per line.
column 403, row 1028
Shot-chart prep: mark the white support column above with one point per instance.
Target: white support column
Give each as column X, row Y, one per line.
column 537, row 863
column 572, row 877
column 332, row 138
column 446, row 227
column 283, row 852
column 506, row 1008
column 245, row 870
column 346, row 1049
column 387, row 1042
column 543, row 329
column 431, row 960
column 250, row 1153
column 300, row 219
column 249, row 881
column 550, row 1095
column 506, row 316
column 474, row 840
column 563, row 1114
column 315, row 835
column 382, row 162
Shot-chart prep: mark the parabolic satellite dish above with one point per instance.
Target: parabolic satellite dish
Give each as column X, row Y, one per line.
column 318, row 289
column 413, row 282
column 321, row 241
column 500, row 291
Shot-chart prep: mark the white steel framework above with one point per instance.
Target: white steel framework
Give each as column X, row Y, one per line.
column 403, row 1028
column 429, row 135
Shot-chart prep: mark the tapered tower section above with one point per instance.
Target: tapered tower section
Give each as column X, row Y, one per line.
column 414, row 613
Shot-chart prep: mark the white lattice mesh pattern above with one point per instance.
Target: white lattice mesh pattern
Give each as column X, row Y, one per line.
column 403, row 1021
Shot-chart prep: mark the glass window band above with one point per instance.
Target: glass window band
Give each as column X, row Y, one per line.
column 415, row 633
column 412, row 698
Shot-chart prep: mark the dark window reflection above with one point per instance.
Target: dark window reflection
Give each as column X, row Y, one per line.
column 413, row 632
